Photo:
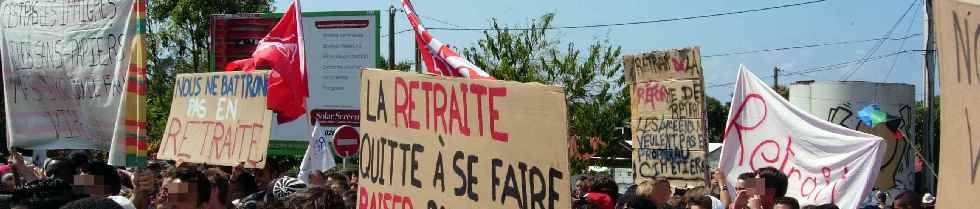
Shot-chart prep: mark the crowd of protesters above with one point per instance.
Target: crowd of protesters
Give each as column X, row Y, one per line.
column 76, row 181
column 601, row 192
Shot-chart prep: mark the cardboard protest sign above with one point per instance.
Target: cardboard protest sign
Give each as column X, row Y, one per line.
column 681, row 64
column 669, row 98
column 956, row 24
column 65, row 71
column 218, row 119
column 824, row 162
column 437, row 142
column 667, row 115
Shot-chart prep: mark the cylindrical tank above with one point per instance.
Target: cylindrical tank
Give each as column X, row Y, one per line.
column 840, row 101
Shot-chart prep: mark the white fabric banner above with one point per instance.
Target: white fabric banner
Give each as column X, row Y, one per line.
column 825, row 163
column 319, row 154
column 64, row 71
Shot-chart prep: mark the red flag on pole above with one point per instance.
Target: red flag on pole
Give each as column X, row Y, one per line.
column 439, row 58
column 282, row 50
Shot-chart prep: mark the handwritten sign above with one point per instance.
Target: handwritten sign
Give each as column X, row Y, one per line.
column 218, row 119
column 824, row 162
column 435, row 142
column 65, row 71
column 667, row 117
column 956, row 28
column 682, row 64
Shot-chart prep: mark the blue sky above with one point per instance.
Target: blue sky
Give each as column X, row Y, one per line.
column 824, row 22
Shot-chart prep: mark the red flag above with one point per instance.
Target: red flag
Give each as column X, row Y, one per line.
column 439, row 58
column 282, row 50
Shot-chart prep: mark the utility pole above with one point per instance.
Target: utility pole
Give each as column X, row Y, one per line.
column 775, row 77
column 391, row 38
column 930, row 143
column 418, row 64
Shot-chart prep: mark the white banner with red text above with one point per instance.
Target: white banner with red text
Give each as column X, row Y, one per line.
column 825, row 163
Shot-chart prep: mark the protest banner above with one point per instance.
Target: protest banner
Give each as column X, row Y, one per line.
column 667, row 116
column 439, row 142
column 338, row 44
column 218, row 119
column 67, row 68
column 842, row 103
column 956, row 26
column 824, row 162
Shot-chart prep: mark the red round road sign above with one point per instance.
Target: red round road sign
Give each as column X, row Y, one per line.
column 346, row 141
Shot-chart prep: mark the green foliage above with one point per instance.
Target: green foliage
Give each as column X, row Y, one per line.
column 592, row 79
column 717, row 118
column 920, row 121
column 404, row 66
column 177, row 41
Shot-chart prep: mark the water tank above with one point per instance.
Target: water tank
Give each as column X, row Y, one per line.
column 839, row 103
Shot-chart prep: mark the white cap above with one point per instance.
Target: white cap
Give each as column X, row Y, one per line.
column 928, row 198
column 123, row 201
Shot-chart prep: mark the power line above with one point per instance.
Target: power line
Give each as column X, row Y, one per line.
column 641, row 22
column 810, row 46
column 396, row 33
column 901, row 46
column 426, row 17
column 880, row 43
column 440, row 21
column 829, row 67
column 459, row 28
column 844, row 64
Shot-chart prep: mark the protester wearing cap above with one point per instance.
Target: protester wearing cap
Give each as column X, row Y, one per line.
column 928, row 200
column 286, row 186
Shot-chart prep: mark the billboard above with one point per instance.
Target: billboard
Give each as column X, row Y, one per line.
column 338, row 44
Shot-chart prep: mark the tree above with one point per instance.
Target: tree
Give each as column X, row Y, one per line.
column 404, row 66
column 717, row 118
column 592, row 79
column 920, row 121
column 177, row 41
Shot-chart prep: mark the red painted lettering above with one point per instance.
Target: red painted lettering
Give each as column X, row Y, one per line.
column 439, row 107
column 736, row 123
column 412, row 123
column 427, row 88
column 454, row 114
column 495, row 115
column 479, row 91
column 401, row 106
column 763, row 154
column 171, row 138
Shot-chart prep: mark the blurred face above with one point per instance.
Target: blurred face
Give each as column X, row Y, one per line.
column 316, row 178
column 9, row 181
column 661, row 193
column 675, row 200
column 92, row 185
column 331, row 181
column 214, row 202
column 580, row 187
column 740, row 185
column 264, row 177
column 696, row 207
column 338, row 189
column 179, row 195
column 904, row 204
